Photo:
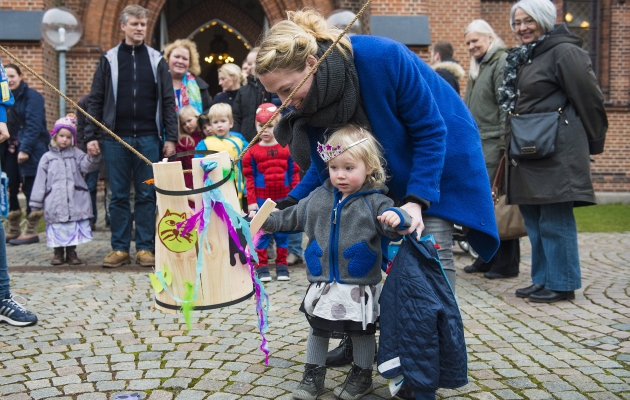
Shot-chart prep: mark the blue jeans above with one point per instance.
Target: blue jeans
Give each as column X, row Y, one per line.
column 91, row 179
column 295, row 244
column 4, row 268
column 122, row 164
column 553, row 234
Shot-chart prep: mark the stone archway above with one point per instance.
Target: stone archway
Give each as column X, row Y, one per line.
column 101, row 18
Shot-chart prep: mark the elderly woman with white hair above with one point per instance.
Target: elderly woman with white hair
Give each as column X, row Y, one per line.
column 549, row 83
column 488, row 55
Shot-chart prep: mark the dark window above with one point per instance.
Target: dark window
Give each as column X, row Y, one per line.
column 582, row 18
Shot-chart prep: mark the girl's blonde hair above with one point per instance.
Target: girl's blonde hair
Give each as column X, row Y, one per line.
column 288, row 43
column 189, row 45
column 483, row 28
column 234, row 71
column 183, row 138
column 220, row 110
column 369, row 151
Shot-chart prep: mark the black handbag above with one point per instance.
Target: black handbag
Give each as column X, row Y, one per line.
column 533, row 135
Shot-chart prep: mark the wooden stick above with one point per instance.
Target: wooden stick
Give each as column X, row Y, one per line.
column 262, row 215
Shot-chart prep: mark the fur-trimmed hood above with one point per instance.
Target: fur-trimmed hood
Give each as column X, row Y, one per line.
column 451, row 66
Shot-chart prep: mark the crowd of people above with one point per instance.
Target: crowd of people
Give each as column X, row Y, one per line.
column 351, row 169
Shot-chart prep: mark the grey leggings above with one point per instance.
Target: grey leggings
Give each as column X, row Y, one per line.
column 442, row 231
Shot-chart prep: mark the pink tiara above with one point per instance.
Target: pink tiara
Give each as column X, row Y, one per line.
column 328, row 152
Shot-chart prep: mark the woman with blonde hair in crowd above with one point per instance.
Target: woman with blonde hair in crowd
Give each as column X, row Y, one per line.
column 183, row 63
column 231, row 79
column 487, row 60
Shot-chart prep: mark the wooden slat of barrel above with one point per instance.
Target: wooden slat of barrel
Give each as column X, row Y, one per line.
column 220, row 282
column 169, row 176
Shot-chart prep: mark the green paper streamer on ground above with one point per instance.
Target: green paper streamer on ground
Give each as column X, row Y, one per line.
column 187, row 306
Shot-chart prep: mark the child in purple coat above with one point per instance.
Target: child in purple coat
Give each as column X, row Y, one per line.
column 60, row 189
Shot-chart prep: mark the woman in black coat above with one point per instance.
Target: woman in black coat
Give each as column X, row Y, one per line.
column 548, row 72
column 22, row 152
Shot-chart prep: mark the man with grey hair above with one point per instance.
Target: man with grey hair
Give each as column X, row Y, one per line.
column 340, row 18
column 132, row 94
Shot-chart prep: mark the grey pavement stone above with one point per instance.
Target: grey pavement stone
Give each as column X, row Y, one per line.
column 570, row 396
column 190, row 395
column 99, row 376
column 66, row 380
column 143, row 384
column 106, row 386
column 78, row 388
column 38, row 384
column 222, row 396
column 506, row 394
column 129, row 375
column 92, row 396
column 161, row 395
column 176, row 383
column 535, row 394
column 159, row 373
column 44, row 393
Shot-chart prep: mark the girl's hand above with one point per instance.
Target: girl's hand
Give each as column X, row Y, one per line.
column 389, row 218
column 93, row 151
column 22, row 157
column 252, row 207
column 415, row 211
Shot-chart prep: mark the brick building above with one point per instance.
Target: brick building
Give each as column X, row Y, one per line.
column 604, row 24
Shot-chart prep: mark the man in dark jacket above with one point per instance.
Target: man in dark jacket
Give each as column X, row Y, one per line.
column 132, row 94
column 443, row 63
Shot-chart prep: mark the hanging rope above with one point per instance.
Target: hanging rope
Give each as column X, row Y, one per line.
column 251, row 143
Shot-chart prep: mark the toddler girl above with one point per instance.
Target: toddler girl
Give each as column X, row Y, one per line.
column 344, row 220
column 188, row 138
column 60, row 189
column 205, row 127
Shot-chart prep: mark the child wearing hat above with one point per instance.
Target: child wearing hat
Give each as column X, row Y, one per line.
column 61, row 191
column 271, row 173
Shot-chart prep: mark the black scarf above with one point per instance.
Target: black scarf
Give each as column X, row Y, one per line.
column 333, row 100
column 516, row 58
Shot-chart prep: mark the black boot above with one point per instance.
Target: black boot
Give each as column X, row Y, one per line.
column 358, row 383
column 58, row 257
column 340, row 355
column 312, row 383
column 506, row 260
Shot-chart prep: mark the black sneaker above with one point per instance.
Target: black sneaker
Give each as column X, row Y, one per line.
column 358, row 383
column 263, row 274
column 312, row 383
column 342, row 354
column 14, row 314
column 282, row 273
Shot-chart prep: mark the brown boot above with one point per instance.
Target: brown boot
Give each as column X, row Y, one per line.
column 58, row 257
column 116, row 259
column 71, row 256
column 145, row 258
column 29, row 232
column 13, row 225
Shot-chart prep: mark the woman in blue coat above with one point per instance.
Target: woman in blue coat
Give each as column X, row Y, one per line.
column 28, row 142
column 432, row 146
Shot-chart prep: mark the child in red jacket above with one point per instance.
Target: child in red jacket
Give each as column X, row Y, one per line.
column 271, row 173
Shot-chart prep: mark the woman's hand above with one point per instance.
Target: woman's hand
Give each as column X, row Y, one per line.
column 4, row 132
column 22, row 157
column 389, row 218
column 415, row 211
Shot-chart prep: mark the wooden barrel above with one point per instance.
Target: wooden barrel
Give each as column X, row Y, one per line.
column 220, row 284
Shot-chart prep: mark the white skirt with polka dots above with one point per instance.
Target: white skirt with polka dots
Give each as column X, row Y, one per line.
column 336, row 302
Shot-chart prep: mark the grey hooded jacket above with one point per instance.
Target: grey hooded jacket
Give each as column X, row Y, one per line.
column 59, row 187
column 344, row 236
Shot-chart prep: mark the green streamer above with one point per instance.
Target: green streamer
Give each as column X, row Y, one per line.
column 188, row 306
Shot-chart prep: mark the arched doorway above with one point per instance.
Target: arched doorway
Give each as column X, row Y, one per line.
column 218, row 43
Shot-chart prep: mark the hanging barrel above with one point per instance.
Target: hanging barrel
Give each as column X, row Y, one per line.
column 219, row 283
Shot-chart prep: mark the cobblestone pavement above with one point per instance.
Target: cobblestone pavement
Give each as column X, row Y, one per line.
column 97, row 335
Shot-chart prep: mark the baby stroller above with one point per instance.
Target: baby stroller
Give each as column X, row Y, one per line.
column 459, row 236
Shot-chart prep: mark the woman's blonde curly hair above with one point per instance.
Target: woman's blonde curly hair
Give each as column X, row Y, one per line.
column 369, row 151
column 289, row 42
column 189, row 45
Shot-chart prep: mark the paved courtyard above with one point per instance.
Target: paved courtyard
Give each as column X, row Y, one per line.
column 97, row 335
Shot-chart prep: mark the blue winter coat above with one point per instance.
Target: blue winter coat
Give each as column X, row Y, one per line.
column 431, row 141
column 422, row 334
column 31, row 130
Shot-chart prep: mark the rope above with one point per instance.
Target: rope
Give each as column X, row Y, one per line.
column 91, row 118
column 251, row 143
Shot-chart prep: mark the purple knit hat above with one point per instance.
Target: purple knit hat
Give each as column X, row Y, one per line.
column 70, row 123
